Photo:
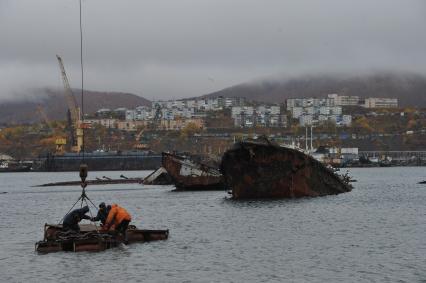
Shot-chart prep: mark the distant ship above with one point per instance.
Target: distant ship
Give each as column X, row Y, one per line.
column 99, row 161
column 13, row 166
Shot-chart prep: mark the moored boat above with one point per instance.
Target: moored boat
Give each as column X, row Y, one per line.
column 261, row 169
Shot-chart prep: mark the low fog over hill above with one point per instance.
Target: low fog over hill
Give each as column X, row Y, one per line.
column 54, row 104
column 410, row 89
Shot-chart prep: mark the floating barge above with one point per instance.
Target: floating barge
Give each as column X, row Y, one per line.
column 189, row 175
column 261, row 169
column 99, row 161
column 89, row 239
column 95, row 182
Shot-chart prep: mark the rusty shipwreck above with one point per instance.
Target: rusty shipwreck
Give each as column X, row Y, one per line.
column 262, row 169
column 89, row 238
column 187, row 174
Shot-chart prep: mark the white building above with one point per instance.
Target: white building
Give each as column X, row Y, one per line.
column 275, row 110
column 374, row 102
column 336, row 110
column 306, row 120
column 346, row 120
column 324, row 110
column 294, row 102
column 191, row 104
column 296, row 112
column 344, row 100
column 130, row 115
column 107, row 123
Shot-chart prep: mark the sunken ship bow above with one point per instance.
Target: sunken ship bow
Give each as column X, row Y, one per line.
column 187, row 174
column 261, row 169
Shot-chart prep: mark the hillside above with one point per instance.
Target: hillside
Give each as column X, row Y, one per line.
column 410, row 89
column 53, row 103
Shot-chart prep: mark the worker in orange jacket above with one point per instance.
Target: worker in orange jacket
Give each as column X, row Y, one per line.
column 119, row 217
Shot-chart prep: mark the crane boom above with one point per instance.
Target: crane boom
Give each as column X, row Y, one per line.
column 69, row 97
column 74, row 111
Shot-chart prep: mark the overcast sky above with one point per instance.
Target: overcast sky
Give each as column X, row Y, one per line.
column 182, row 48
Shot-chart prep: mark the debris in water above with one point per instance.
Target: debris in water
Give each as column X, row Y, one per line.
column 158, row 177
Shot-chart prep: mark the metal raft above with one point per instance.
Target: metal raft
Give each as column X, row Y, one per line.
column 89, row 239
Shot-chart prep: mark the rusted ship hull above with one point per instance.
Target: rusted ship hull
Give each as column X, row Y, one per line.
column 264, row 170
column 188, row 175
column 89, row 239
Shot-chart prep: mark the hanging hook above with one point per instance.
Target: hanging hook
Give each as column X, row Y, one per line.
column 83, row 175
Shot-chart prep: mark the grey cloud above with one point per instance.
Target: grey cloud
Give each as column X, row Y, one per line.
column 164, row 49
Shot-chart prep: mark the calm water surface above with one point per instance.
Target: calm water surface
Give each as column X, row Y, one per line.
column 376, row 233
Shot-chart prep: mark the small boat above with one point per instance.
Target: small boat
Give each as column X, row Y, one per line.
column 189, row 175
column 261, row 169
column 90, row 239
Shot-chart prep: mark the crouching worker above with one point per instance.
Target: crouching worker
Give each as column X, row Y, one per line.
column 72, row 219
column 102, row 213
column 120, row 218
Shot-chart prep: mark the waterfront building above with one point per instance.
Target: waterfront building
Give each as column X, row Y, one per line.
column 131, row 126
column 105, row 122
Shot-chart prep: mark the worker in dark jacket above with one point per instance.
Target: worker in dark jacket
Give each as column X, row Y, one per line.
column 72, row 219
column 102, row 213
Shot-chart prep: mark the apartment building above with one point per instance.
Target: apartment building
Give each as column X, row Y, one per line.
column 375, row 102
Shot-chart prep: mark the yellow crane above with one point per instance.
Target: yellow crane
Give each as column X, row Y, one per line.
column 74, row 115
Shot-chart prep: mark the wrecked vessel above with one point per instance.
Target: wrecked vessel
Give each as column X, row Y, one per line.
column 189, row 175
column 262, row 169
column 91, row 239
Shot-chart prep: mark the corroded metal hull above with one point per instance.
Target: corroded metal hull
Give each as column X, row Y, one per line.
column 89, row 239
column 189, row 175
column 260, row 169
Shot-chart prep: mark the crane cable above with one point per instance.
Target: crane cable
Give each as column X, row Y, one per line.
column 82, row 82
column 83, row 167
